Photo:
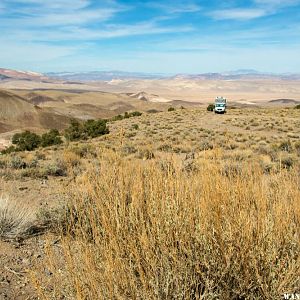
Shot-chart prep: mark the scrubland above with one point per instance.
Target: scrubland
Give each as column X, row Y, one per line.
column 174, row 205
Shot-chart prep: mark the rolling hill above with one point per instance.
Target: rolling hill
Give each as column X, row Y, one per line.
column 17, row 113
column 39, row 110
column 12, row 106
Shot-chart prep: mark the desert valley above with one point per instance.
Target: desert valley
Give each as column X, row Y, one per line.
column 35, row 101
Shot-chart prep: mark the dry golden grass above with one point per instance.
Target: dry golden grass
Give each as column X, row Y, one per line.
column 158, row 230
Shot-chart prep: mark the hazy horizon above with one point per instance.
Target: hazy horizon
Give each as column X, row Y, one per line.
column 225, row 73
column 166, row 37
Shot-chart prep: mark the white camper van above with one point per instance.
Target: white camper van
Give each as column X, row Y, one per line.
column 220, row 105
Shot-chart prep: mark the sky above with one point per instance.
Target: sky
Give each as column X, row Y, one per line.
column 163, row 36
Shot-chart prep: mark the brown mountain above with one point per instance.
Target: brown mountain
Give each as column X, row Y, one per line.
column 16, row 112
column 21, row 75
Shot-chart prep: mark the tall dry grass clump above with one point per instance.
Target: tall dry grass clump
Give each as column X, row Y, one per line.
column 16, row 219
column 137, row 231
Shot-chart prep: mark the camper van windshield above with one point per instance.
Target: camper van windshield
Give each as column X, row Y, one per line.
column 220, row 105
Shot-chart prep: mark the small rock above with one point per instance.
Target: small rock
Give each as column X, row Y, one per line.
column 48, row 273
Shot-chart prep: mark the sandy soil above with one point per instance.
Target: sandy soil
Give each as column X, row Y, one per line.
column 19, row 257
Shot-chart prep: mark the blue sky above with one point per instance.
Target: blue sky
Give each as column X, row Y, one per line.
column 150, row 36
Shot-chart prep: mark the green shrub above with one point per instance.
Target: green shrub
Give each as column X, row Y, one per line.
column 135, row 126
column 127, row 115
column 171, row 109
column 74, row 132
column 8, row 150
column 297, row 106
column 51, row 138
column 94, row 128
column 117, row 118
column 135, row 114
column 88, row 129
column 210, row 107
column 26, row 141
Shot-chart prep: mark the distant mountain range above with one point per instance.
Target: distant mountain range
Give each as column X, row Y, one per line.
column 237, row 75
column 6, row 74
column 101, row 75
column 110, row 75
